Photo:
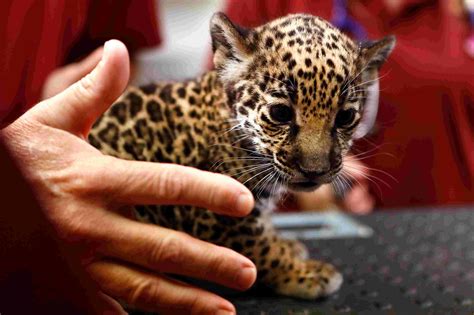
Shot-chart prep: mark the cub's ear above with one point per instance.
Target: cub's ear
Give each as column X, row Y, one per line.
column 371, row 58
column 373, row 54
column 230, row 46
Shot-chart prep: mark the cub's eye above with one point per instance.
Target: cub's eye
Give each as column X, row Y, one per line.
column 344, row 118
column 281, row 113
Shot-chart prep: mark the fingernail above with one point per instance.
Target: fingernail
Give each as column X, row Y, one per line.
column 244, row 203
column 247, row 277
column 226, row 308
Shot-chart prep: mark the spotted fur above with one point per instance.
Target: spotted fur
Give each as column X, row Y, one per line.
column 279, row 112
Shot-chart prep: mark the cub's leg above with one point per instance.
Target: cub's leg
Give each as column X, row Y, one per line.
column 297, row 248
column 280, row 268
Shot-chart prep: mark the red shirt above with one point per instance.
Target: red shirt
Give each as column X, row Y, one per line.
column 426, row 120
column 37, row 36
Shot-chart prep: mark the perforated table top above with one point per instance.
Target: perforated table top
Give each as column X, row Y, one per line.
column 415, row 262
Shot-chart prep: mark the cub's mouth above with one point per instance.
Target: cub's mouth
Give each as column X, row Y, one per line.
column 305, row 185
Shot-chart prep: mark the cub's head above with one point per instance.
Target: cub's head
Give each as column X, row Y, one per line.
column 301, row 90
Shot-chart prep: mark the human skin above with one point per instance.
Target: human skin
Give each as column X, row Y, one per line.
column 86, row 197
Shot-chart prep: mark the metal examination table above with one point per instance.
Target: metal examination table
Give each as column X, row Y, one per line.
column 418, row 261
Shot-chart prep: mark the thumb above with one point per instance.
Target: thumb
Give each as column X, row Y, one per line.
column 65, row 76
column 76, row 108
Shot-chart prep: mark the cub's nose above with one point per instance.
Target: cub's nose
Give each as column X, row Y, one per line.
column 312, row 173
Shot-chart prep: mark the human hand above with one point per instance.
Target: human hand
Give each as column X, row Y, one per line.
column 356, row 198
column 63, row 77
column 84, row 191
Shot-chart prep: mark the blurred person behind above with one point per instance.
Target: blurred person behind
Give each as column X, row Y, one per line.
column 38, row 37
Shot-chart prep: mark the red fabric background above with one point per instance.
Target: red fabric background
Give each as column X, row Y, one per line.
column 37, row 36
column 425, row 124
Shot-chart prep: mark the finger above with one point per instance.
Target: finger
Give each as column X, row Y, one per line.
column 104, row 304
column 359, row 201
column 63, row 77
column 81, row 68
column 76, row 108
column 169, row 251
column 135, row 182
column 151, row 292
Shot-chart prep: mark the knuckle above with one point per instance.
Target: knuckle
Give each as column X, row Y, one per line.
column 167, row 252
column 145, row 292
column 215, row 267
column 85, row 88
column 195, row 305
column 83, row 179
column 171, row 185
column 75, row 227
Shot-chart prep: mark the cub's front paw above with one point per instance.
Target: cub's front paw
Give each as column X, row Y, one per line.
column 310, row 279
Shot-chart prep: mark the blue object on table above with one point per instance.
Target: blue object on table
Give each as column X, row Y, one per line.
column 342, row 20
column 319, row 225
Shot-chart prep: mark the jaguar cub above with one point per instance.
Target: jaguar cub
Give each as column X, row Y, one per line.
column 279, row 112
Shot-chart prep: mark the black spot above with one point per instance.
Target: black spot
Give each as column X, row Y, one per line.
column 243, row 111
column 154, row 111
column 165, row 94
column 274, row 263
column 250, row 104
column 149, row 88
column 307, row 62
column 286, row 56
column 268, row 42
column 192, row 100
column 342, row 58
column 249, row 243
column 265, row 250
column 291, row 64
column 94, row 141
column 279, row 35
column 193, row 114
column 186, row 149
column 237, row 246
column 182, row 92
column 158, row 155
column 141, row 128
column 202, row 228
column 178, row 111
column 109, row 135
column 292, row 33
column 331, row 75
column 119, row 111
column 330, row 63
column 262, row 273
column 130, row 149
column 136, row 104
